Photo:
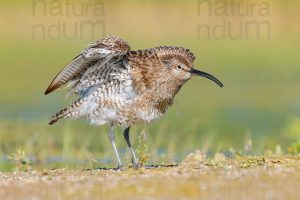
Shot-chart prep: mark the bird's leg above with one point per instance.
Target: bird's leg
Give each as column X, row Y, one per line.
column 111, row 136
column 135, row 161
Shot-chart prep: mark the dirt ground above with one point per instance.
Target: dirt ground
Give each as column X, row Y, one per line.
column 195, row 178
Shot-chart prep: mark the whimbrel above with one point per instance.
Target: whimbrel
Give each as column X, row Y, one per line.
column 117, row 86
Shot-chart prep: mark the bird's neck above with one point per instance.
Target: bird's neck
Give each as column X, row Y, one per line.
column 168, row 87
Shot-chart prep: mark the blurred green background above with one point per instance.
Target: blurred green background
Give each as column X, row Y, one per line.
column 252, row 47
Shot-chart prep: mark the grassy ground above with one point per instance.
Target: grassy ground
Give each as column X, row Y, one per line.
column 273, row 177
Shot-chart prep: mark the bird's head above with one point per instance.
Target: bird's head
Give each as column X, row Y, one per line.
column 179, row 61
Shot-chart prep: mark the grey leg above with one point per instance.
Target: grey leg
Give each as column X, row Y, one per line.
column 112, row 140
column 135, row 161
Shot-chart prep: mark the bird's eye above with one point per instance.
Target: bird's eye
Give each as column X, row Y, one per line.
column 179, row 67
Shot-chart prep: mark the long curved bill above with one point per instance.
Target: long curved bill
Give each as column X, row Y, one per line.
column 206, row 75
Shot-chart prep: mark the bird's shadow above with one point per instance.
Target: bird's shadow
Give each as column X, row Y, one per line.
column 146, row 167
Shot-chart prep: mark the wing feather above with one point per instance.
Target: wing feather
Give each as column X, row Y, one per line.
column 106, row 48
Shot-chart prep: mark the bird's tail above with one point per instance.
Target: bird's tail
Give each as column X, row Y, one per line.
column 73, row 111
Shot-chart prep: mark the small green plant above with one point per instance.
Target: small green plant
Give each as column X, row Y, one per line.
column 92, row 163
column 142, row 149
column 293, row 131
column 20, row 160
column 292, row 128
column 294, row 148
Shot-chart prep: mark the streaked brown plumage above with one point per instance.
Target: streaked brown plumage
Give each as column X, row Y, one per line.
column 123, row 87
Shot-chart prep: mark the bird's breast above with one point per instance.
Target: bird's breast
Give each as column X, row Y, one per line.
column 147, row 108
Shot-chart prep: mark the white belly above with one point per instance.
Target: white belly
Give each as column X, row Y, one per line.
column 149, row 115
column 104, row 116
column 99, row 114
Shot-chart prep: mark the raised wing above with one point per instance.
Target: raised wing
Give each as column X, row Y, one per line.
column 104, row 49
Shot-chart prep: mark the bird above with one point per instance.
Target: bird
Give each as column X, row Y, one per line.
column 122, row 87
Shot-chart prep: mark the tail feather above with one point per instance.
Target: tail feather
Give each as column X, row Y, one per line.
column 72, row 111
column 61, row 114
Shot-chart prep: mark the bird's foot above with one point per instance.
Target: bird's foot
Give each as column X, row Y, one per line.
column 136, row 164
column 120, row 168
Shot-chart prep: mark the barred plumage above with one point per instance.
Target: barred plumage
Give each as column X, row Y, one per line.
column 122, row 87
